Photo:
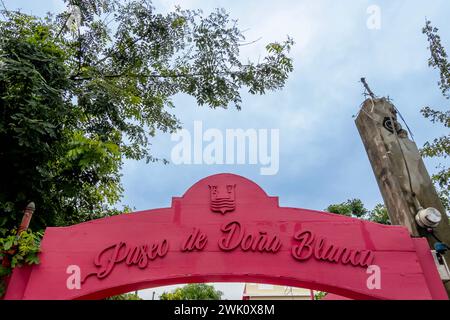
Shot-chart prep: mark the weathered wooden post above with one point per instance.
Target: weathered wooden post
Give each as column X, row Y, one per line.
column 403, row 180
column 27, row 215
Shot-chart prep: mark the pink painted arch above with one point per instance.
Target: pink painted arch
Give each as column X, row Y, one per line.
column 225, row 228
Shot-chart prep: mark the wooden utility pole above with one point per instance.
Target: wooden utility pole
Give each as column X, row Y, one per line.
column 403, row 180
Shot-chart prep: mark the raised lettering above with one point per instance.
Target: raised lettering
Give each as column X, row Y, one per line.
column 304, row 250
column 233, row 231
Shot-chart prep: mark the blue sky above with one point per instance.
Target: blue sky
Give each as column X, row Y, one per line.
column 322, row 159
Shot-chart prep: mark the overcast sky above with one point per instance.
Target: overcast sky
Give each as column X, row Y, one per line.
column 322, row 159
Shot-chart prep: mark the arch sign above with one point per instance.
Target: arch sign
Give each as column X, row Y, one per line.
column 227, row 229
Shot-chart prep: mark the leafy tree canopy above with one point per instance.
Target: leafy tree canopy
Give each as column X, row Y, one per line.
column 439, row 147
column 85, row 89
column 125, row 296
column 193, row 291
column 355, row 208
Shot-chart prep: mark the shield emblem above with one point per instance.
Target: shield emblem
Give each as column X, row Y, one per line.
column 223, row 198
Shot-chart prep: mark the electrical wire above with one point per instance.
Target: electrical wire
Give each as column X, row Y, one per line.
column 403, row 156
column 430, row 231
column 404, row 121
column 397, row 139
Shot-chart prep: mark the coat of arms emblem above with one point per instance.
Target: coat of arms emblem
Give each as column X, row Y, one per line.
column 223, row 198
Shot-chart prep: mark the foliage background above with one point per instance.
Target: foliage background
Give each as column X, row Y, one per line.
column 80, row 94
column 193, row 291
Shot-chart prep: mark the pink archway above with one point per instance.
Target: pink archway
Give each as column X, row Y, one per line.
column 226, row 228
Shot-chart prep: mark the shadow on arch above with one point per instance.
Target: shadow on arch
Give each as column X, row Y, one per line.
column 261, row 279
